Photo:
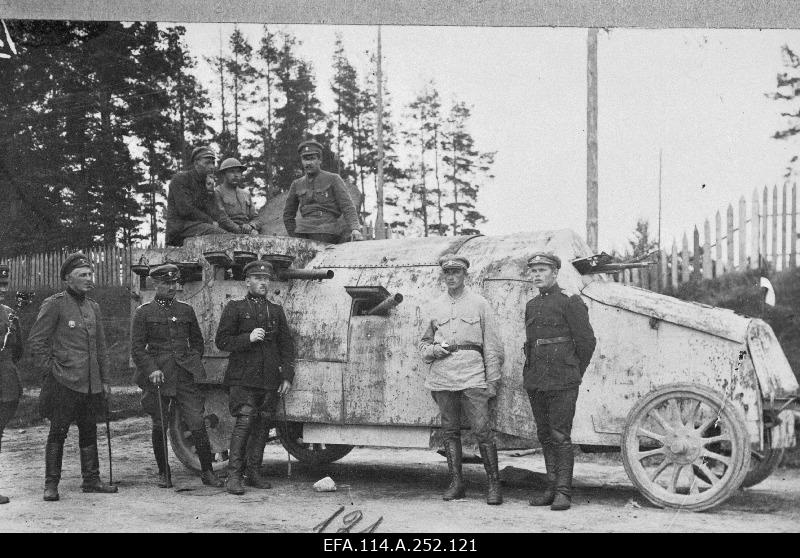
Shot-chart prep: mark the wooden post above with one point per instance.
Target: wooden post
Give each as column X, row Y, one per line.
column 783, row 228
column 775, row 225
column 707, row 273
column 686, row 266
column 662, row 271
column 674, row 270
column 729, row 239
column 718, row 246
column 742, row 233
column 755, row 232
column 591, row 141
column 765, row 229
column 696, row 256
column 793, row 233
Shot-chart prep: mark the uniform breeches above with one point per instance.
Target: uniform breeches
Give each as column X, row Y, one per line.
column 474, row 403
column 187, row 397
column 251, row 402
column 553, row 412
column 321, row 237
column 192, row 228
column 70, row 406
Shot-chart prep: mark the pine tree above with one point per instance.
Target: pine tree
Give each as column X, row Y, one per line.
column 242, row 77
column 346, row 95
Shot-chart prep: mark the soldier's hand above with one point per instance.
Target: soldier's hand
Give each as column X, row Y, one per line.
column 440, row 352
column 286, row 385
column 356, row 235
column 157, row 377
column 254, row 232
column 257, row 335
column 491, row 387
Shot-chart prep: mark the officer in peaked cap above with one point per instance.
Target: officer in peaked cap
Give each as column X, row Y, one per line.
column 260, row 371
column 167, row 347
column 68, row 346
column 464, row 353
column 235, row 208
column 321, row 197
column 10, row 352
column 559, row 345
column 191, row 210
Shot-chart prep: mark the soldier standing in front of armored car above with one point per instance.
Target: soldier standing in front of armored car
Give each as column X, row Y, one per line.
column 321, row 197
column 560, row 342
column 260, row 371
column 191, row 210
column 68, row 347
column 463, row 347
column 167, row 347
column 10, row 353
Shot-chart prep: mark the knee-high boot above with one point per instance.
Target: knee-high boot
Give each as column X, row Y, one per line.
column 457, row 488
column 256, row 441
column 565, row 462
column 53, row 453
column 90, row 471
column 3, row 499
column 203, row 447
column 241, row 430
column 494, row 496
column 546, row 498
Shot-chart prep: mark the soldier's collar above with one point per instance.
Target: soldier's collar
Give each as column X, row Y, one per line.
column 554, row 288
column 76, row 295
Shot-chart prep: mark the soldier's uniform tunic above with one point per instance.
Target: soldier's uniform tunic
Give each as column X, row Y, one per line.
column 10, row 386
column 235, row 208
column 165, row 336
column 254, row 373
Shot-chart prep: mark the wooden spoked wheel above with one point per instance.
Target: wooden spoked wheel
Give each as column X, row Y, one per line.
column 686, row 447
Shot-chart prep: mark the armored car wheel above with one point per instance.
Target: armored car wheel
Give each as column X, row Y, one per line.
column 219, row 426
column 763, row 463
column 291, row 438
column 680, row 429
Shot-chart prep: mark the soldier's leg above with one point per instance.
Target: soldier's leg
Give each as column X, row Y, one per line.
column 190, row 401
column 243, row 408
column 320, row 237
column 476, row 406
column 257, row 440
column 61, row 412
column 561, row 412
column 86, row 419
column 198, row 228
column 7, row 410
column 539, row 407
column 450, row 411
column 150, row 406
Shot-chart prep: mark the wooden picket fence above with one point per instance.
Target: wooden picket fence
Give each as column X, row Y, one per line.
column 763, row 238
column 41, row 271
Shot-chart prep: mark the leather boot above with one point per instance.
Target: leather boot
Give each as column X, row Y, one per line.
column 164, row 478
column 53, row 453
column 546, row 498
column 494, row 497
column 565, row 461
column 3, row 499
column 457, row 488
column 203, row 447
column 256, row 441
column 90, row 471
column 235, row 456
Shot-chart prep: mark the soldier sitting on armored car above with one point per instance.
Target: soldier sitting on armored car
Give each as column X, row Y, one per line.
column 235, row 208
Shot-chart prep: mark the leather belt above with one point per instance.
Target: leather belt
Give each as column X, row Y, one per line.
column 551, row 340
column 454, row 348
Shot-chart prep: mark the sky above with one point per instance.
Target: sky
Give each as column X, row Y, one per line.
column 699, row 96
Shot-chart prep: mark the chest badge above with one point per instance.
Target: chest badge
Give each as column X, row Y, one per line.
column 174, row 319
column 247, row 316
column 71, row 324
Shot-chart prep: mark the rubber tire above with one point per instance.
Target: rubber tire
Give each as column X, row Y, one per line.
column 760, row 468
column 315, row 455
column 739, row 462
column 182, row 448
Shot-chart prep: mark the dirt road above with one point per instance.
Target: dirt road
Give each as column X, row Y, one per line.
column 402, row 486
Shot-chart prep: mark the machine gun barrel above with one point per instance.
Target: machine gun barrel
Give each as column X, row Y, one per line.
column 320, row 274
column 388, row 303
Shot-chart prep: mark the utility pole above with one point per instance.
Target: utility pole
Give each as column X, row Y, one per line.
column 591, row 141
column 380, row 232
column 659, row 198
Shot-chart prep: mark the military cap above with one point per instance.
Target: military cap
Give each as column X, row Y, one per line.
column 5, row 273
column 451, row 261
column 166, row 273
column 309, row 146
column 231, row 163
column 202, row 151
column 73, row 261
column 259, row 268
column 546, row 258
